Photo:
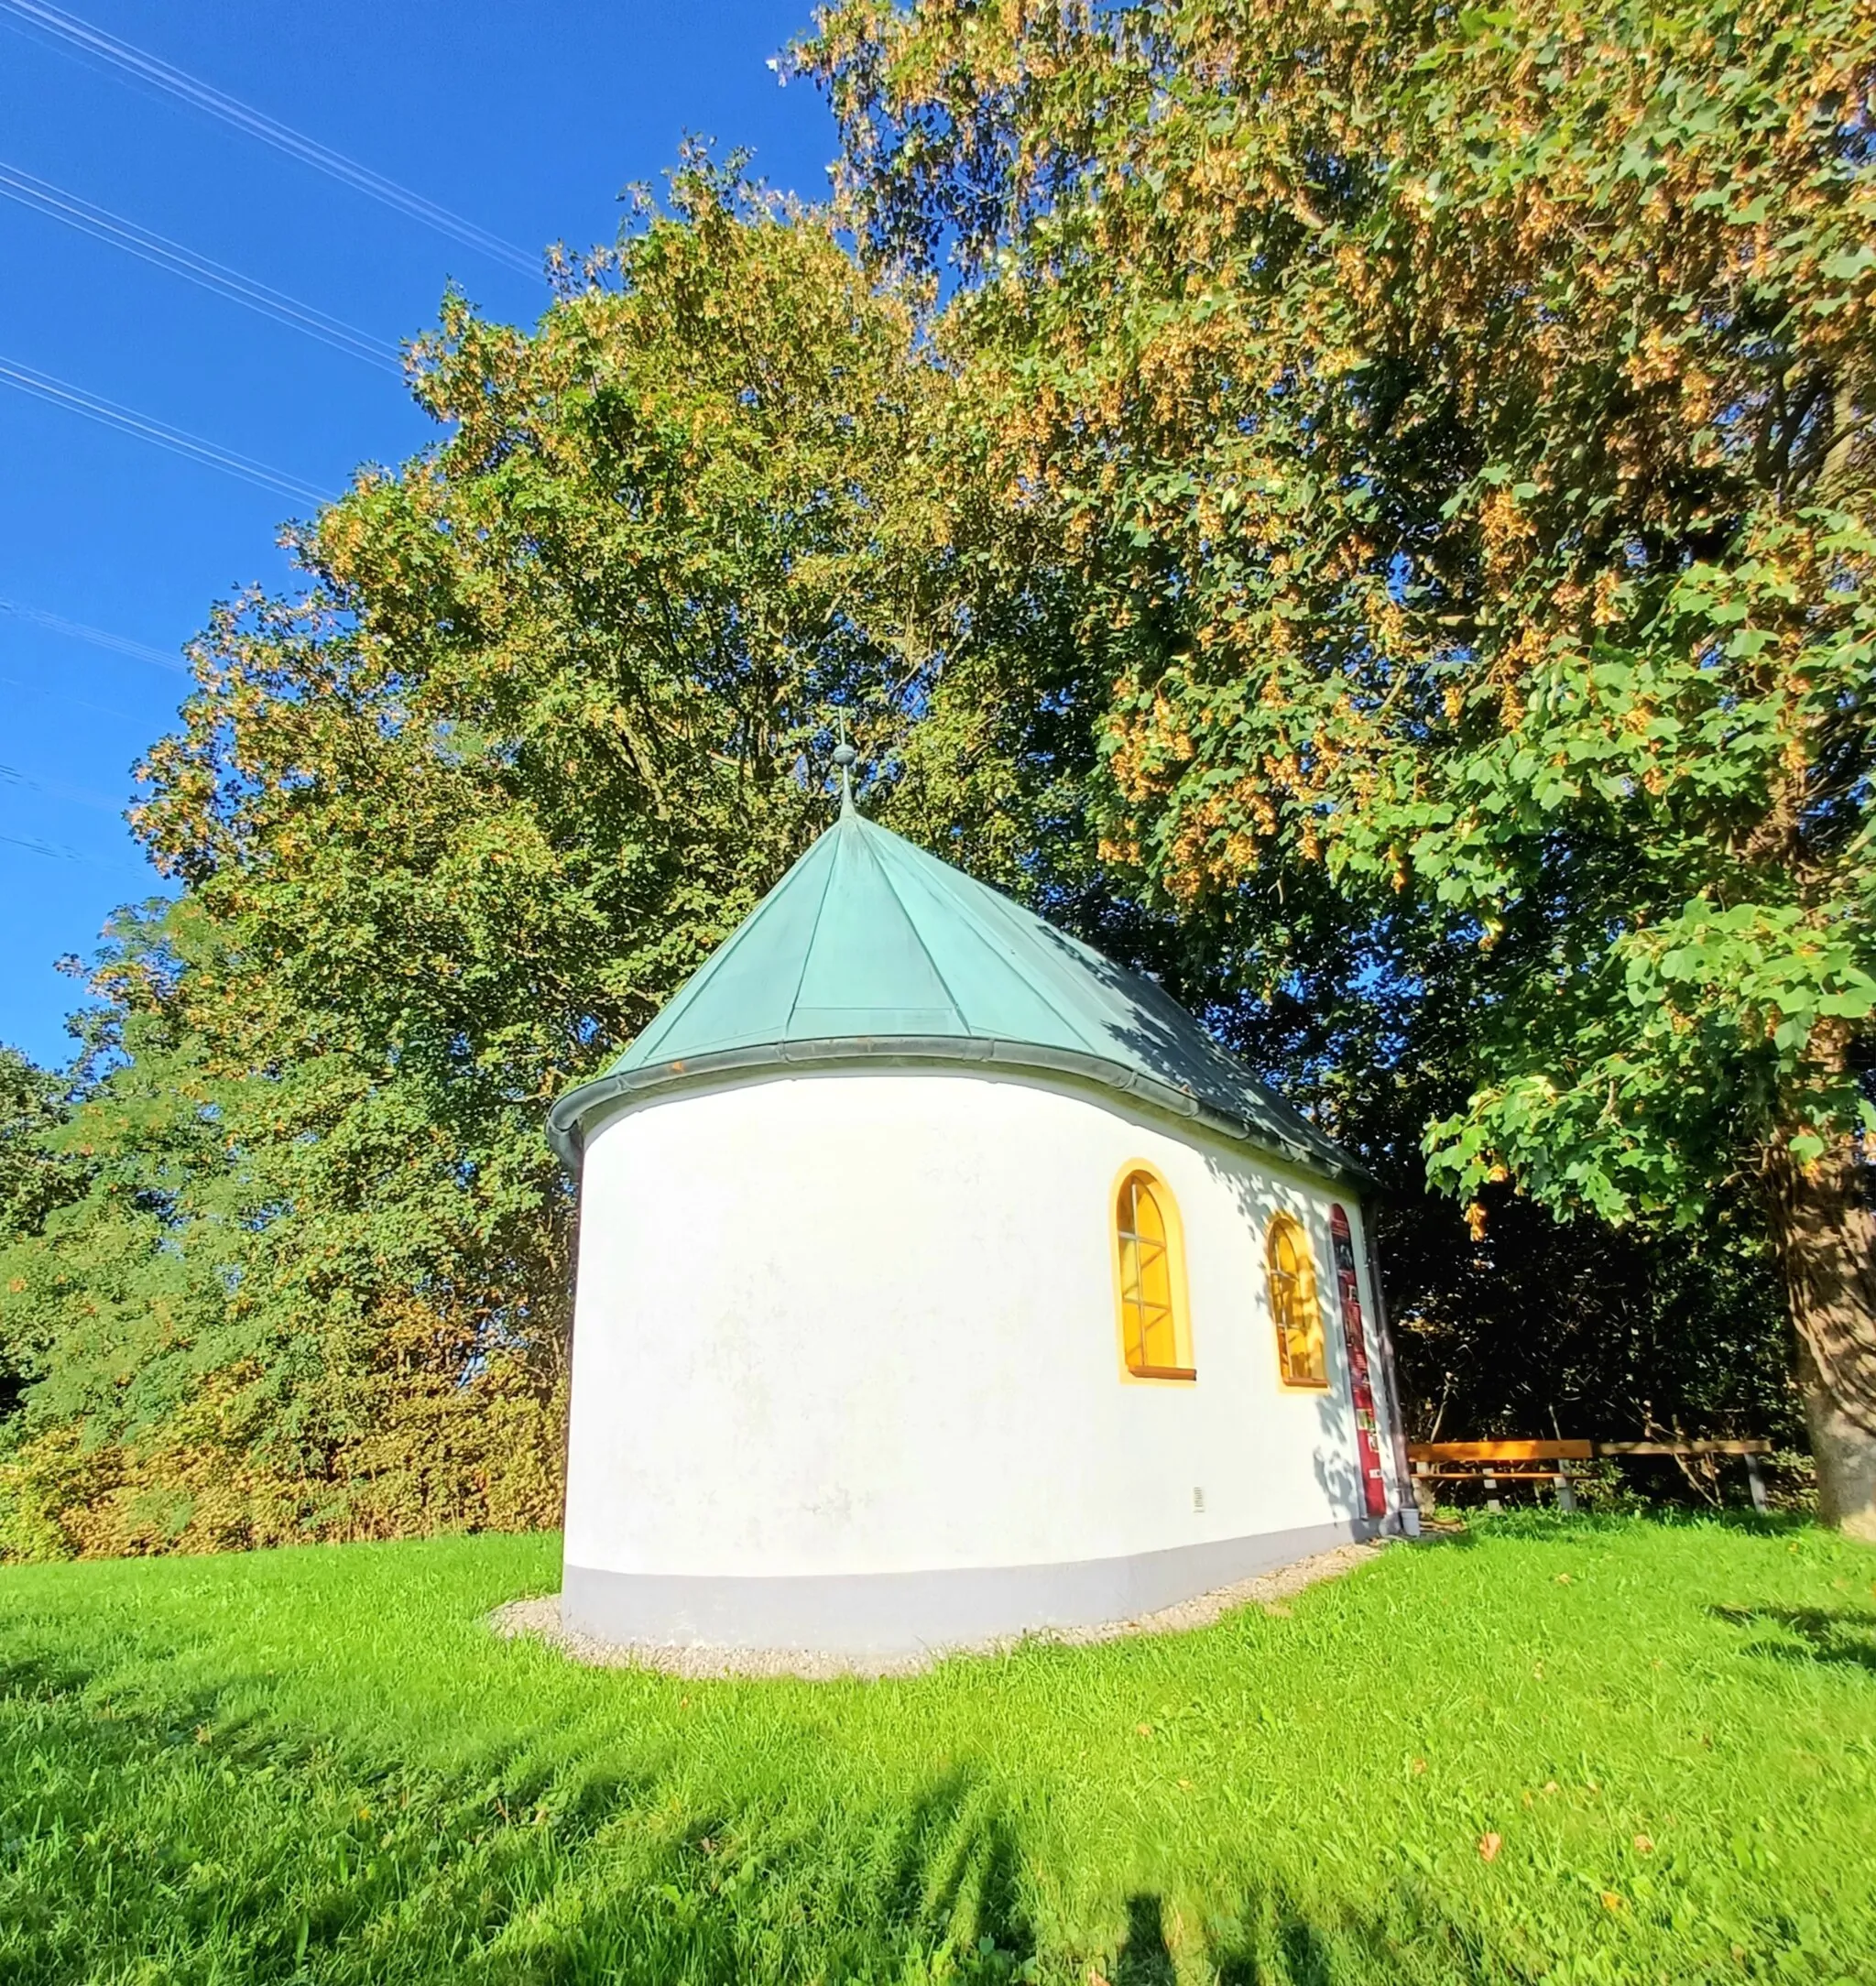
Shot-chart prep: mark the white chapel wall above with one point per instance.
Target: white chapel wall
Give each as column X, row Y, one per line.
column 860, row 1322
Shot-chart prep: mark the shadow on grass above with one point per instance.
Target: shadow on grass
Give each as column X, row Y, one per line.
column 1145, row 1959
column 132, row 1797
column 167, row 1829
column 934, row 1888
column 270, row 1851
column 642, row 1866
column 1831, row 1635
column 1276, row 1941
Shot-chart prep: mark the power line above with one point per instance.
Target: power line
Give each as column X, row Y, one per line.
column 66, row 697
column 12, row 778
column 76, row 796
column 28, row 380
column 77, row 631
column 56, row 854
column 60, row 852
column 256, row 123
column 103, row 225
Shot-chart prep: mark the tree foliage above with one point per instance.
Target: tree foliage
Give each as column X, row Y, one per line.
column 451, row 825
column 1363, row 512
column 35, row 1182
column 1458, row 428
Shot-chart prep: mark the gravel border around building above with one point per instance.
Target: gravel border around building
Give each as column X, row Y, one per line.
column 540, row 1620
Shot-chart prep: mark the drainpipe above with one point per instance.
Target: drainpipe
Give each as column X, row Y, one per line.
column 1406, row 1506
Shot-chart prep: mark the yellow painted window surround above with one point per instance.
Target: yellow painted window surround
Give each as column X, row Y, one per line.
column 1155, row 1340
column 1301, row 1353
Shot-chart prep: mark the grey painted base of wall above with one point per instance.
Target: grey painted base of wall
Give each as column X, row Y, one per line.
column 908, row 1612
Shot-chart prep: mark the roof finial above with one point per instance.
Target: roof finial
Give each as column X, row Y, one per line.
column 846, row 758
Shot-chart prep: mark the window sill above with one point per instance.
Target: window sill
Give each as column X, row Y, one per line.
column 1305, row 1386
column 1162, row 1372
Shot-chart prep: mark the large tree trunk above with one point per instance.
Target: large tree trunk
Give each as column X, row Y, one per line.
column 1825, row 1234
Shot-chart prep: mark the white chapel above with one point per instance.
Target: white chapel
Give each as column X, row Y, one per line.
column 939, row 1280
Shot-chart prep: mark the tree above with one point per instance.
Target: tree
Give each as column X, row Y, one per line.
column 34, row 1184
column 1456, row 429
column 450, row 827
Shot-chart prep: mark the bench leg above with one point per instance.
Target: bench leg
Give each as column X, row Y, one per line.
column 1757, row 1482
column 1491, row 1494
column 1566, row 1496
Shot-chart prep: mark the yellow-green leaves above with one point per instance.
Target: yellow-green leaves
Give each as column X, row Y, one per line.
column 544, row 726
column 1459, row 442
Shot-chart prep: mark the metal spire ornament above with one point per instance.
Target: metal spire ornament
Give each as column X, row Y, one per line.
column 846, row 758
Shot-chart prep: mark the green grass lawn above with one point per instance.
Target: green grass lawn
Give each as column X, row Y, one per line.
column 319, row 1765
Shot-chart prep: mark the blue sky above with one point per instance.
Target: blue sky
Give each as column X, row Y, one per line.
column 527, row 120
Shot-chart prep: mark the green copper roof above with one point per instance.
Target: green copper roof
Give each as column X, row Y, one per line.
column 870, row 948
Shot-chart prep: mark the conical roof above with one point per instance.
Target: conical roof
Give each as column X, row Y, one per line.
column 871, row 949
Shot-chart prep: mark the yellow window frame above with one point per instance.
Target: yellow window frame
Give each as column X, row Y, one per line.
column 1150, row 1293
column 1297, row 1311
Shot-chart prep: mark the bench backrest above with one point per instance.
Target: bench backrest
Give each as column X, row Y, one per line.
column 1570, row 1451
column 1500, row 1451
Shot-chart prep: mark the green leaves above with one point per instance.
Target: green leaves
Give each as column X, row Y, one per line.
column 1638, row 1072
column 1536, row 644
column 453, row 825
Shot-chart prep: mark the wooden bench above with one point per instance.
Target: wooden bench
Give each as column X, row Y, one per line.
column 1747, row 1452
column 1495, row 1463
column 1491, row 1462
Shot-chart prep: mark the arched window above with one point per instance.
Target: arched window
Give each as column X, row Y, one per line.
column 1154, row 1338
column 1301, row 1354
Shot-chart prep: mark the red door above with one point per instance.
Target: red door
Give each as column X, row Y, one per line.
column 1374, row 1489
